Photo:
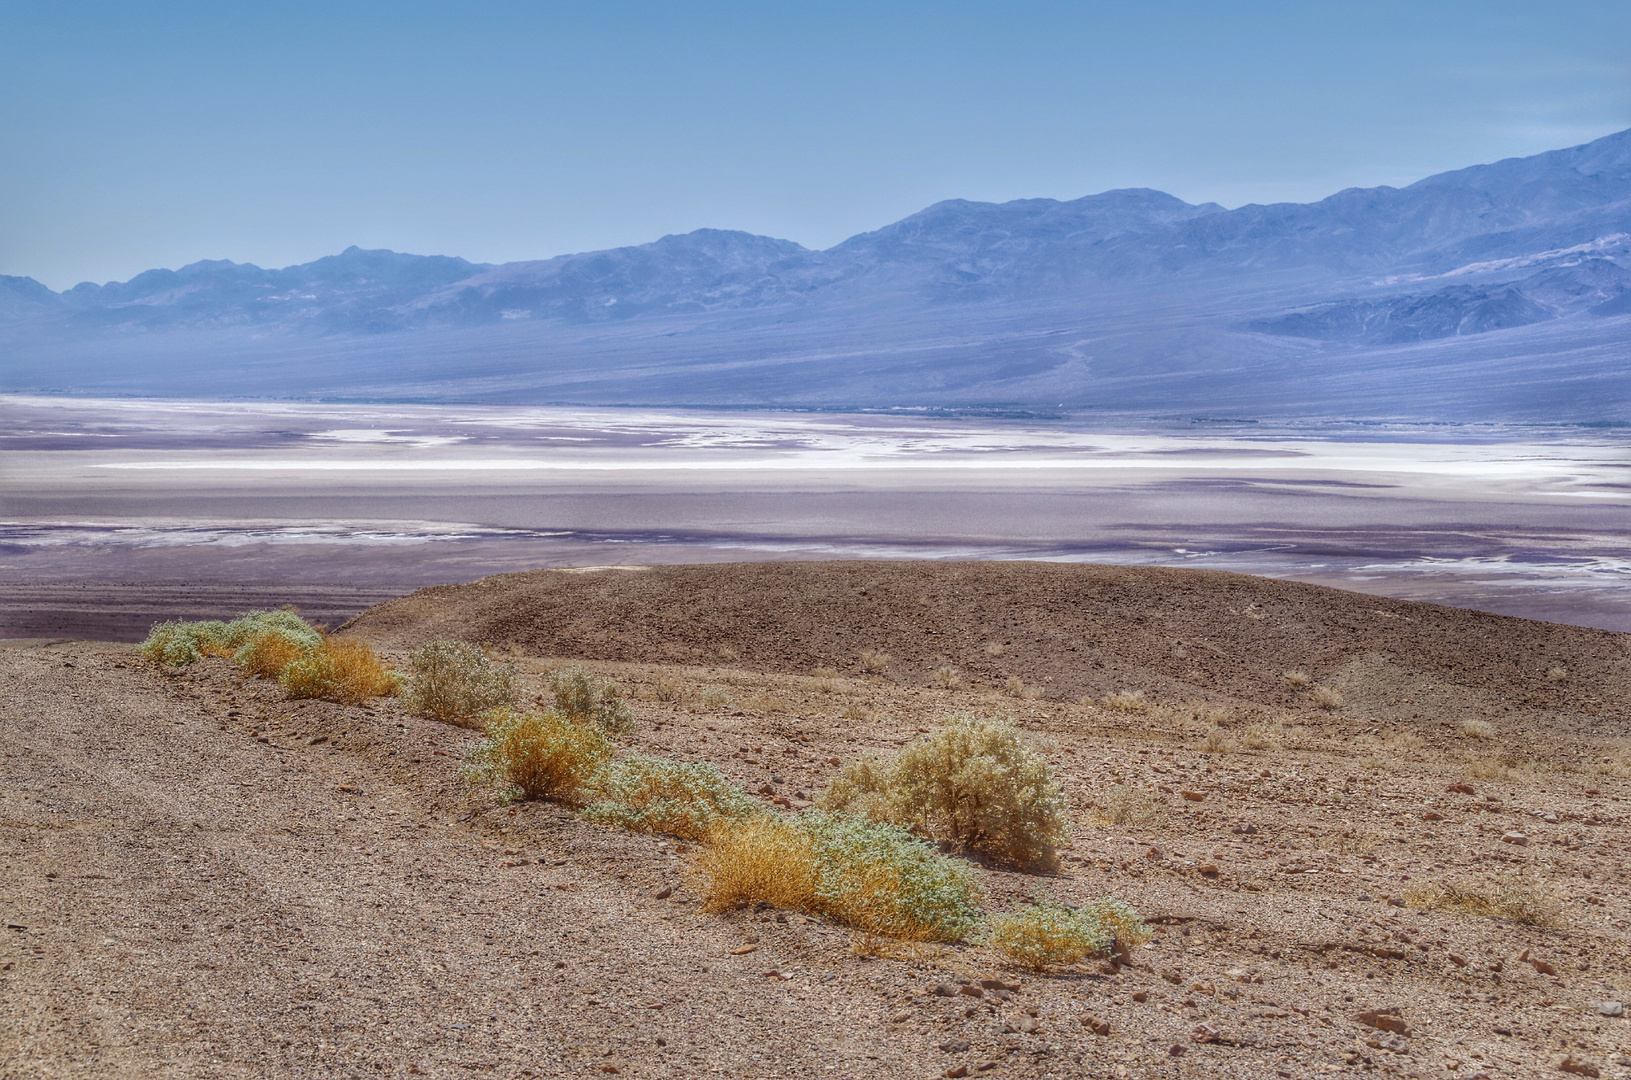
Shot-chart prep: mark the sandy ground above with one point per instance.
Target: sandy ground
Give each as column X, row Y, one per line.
column 209, row 880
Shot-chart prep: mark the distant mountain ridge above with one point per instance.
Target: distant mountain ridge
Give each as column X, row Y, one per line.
column 1139, row 276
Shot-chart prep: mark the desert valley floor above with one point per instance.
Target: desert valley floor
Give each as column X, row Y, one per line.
column 206, row 879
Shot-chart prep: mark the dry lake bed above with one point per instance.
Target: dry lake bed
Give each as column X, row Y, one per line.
column 116, row 513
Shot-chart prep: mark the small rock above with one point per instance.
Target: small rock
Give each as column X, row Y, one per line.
column 1095, row 1025
column 1461, row 789
column 1395, row 901
column 1432, row 815
column 1456, row 959
column 998, row 984
column 663, row 893
column 1177, row 1049
column 832, row 761
column 1384, row 1020
column 1550, row 819
column 1209, row 870
column 766, row 789
column 956, row 1070
column 944, row 990
column 900, row 1018
column 1611, row 1008
column 971, row 991
column 1542, row 966
column 1028, row 1025
column 1517, row 838
column 777, row 780
column 743, row 950
column 1140, row 996
column 1205, row 1033
column 954, row 1046
column 1247, row 829
column 1193, row 796
column 1579, row 1066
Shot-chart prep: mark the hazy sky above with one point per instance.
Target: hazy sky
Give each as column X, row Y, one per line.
column 135, row 135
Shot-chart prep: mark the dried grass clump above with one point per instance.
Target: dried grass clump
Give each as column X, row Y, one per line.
column 455, row 682
column 1257, row 737
column 337, row 670
column 1047, row 935
column 1510, row 898
column 857, row 712
column 1299, row 680
column 765, row 703
column 1491, row 768
column 762, row 859
column 948, row 678
column 995, row 648
column 1120, row 804
column 874, row 661
column 1477, row 729
column 714, row 698
column 973, row 783
column 588, row 700
column 826, row 671
column 649, row 794
column 1557, row 674
column 670, row 690
column 876, row 878
column 537, row 755
column 1217, row 741
column 1129, row 701
column 1326, row 697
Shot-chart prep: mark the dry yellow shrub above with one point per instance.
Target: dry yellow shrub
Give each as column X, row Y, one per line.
column 948, row 678
column 338, row 670
column 268, row 654
column 1326, row 697
column 874, row 661
column 1127, row 701
column 762, row 858
column 1298, row 679
column 543, row 755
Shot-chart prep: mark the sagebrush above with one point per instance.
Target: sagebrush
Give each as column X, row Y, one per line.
column 651, row 794
column 973, row 783
column 589, row 700
column 455, row 682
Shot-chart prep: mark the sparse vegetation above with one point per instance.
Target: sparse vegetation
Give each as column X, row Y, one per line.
column 671, row 690
column 455, row 682
column 1326, row 697
column 874, row 661
column 1217, row 741
column 651, row 794
column 1491, row 768
column 267, row 654
column 1557, row 674
column 1121, row 804
column 826, row 672
column 948, row 678
column 1257, row 737
column 1509, row 898
column 537, row 755
column 1047, row 935
column 175, row 644
column 714, row 699
column 973, row 783
column 995, row 648
column 336, row 670
column 1128, row 701
column 857, row 712
column 1299, row 680
column 1477, row 729
column 588, row 700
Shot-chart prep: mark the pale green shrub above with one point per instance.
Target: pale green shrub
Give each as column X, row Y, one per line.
column 650, row 794
column 1040, row 936
column 973, row 783
column 455, row 682
column 175, row 643
column 589, row 700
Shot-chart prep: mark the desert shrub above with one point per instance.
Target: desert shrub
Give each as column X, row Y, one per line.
column 174, row 644
column 857, row 712
column 588, row 700
column 1045, row 935
column 995, row 648
column 948, row 678
column 537, row 755
column 650, row 794
column 1510, row 898
column 1298, row 679
column 266, row 655
column 1326, row 697
column 826, row 671
column 972, row 782
column 336, row 670
column 455, row 682
column 759, row 859
column 1492, row 768
column 765, row 703
column 1217, row 741
column 1119, row 804
column 874, row 661
column 671, row 690
column 1477, row 729
column 1557, row 674
column 1131, row 701
column 714, row 698
column 1257, row 738
column 876, row 878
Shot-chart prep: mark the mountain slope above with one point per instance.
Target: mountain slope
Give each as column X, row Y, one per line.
column 1027, row 302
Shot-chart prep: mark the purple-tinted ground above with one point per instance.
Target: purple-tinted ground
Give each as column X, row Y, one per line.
column 118, row 514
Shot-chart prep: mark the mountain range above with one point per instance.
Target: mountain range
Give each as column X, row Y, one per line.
column 1499, row 291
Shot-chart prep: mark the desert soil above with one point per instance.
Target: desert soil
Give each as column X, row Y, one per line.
column 206, row 879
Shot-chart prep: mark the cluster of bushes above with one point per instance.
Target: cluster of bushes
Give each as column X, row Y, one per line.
column 866, row 858
column 277, row 645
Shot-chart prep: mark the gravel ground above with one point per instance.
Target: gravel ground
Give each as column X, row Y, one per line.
column 205, row 879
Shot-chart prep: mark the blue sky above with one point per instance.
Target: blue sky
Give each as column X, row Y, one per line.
column 154, row 134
